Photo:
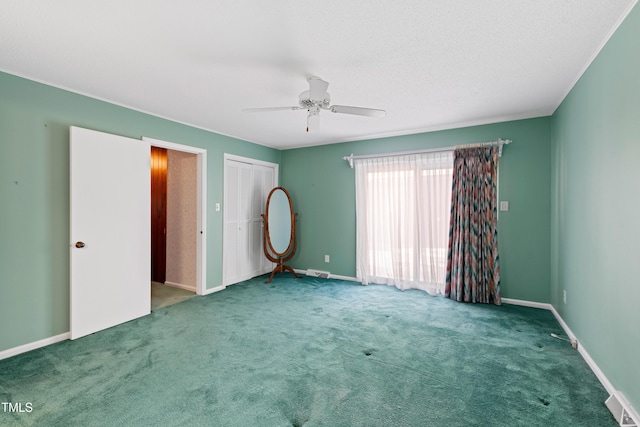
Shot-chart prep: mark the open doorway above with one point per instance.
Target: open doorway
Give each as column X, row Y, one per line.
column 174, row 231
column 178, row 201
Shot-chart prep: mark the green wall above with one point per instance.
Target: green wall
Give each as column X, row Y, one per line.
column 322, row 186
column 595, row 209
column 571, row 180
column 34, row 196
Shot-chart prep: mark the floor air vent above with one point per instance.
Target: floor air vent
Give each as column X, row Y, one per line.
column 318, row 273
column 618, row 406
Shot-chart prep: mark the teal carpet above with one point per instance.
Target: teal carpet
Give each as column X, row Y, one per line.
column 311, row 352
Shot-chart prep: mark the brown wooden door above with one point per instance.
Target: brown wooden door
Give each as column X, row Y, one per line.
column 159, row 166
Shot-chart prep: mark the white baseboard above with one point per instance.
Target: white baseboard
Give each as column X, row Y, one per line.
column 566, row 328
column 347, row 278
column 331, row 275
column 180, row 286
column 525, row 303
column 213, row 290
column 34, row 345
column 585, row 355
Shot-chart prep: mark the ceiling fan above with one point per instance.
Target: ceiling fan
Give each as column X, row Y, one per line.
column 317, row 98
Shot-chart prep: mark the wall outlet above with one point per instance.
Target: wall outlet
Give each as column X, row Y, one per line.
column 504, row 206
column 327, row 258
column 564, row 296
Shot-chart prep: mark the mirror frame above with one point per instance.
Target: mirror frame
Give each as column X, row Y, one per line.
column 267, row 227
column 280, row 257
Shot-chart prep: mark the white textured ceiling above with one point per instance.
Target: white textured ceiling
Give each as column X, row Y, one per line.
column 432, row 64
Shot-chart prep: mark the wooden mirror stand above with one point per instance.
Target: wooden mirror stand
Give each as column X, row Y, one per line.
column 279, row 237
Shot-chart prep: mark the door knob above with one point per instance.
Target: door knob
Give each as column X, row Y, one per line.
column 79, row 244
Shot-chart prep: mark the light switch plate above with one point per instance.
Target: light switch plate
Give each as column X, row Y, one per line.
column 504, row 206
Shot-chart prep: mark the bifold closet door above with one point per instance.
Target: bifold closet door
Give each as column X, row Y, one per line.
column 238, row 253
column 246, row 189
column 263, row 183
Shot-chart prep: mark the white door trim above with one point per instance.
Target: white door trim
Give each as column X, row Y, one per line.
column 251, row 161
column 201, row 286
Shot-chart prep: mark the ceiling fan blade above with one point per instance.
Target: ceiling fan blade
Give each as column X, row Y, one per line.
column 262, row 110
column 358, row 111
column 317, row 88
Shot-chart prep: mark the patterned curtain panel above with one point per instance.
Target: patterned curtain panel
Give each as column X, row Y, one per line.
column 473, row 267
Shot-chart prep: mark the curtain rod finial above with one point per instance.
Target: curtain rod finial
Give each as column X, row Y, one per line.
column 349, row 159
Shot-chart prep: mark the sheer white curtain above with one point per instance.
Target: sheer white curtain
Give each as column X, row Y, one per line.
column 403, row 205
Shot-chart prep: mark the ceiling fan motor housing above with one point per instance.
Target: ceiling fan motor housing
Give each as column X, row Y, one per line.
column 306, row 102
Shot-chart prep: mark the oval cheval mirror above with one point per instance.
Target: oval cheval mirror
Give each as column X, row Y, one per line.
column 279, row 237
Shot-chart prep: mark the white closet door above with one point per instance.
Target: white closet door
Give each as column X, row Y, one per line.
column 231, row 183
column 263, row 183
column 246, row 187
column 244, row 255
column 238, row 182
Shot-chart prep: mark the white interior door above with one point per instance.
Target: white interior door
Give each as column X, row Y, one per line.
column 110, row 230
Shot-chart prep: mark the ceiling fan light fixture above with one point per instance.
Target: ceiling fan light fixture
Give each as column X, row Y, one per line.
column 313, row 119
column 317, row 89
